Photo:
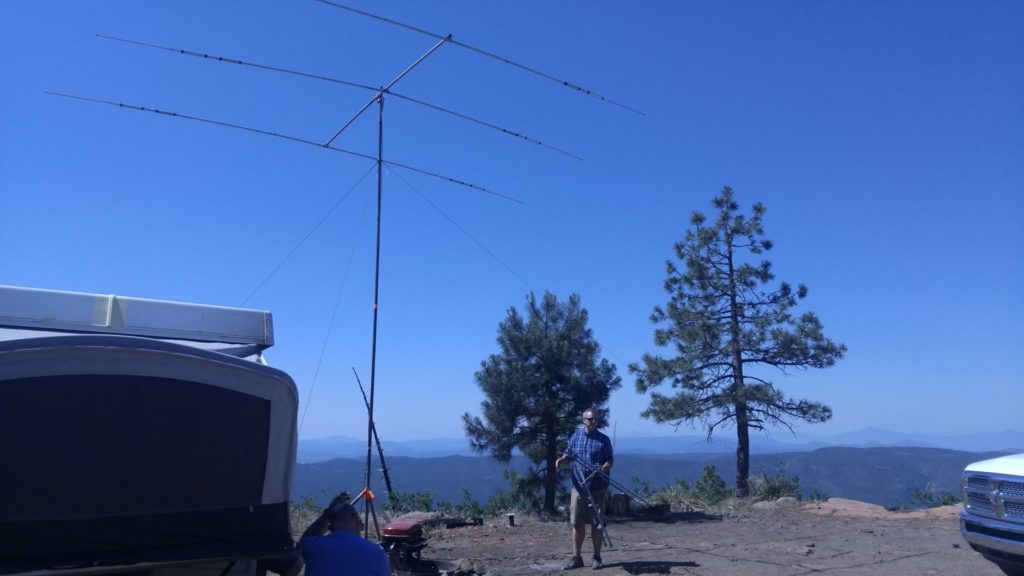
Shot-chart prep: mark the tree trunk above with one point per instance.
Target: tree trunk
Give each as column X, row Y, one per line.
column 742, row 451
column 739, row 387
column 551, row 474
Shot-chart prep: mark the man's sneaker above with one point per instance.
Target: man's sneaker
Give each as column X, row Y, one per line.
column 573, row 563
column 597, row 564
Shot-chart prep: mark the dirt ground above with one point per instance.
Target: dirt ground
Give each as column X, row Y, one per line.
column 838, row 537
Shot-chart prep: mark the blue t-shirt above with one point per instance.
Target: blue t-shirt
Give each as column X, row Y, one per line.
column 343, row 553
column 589, row 451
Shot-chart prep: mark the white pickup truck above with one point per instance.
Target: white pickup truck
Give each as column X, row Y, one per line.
column 992, row 520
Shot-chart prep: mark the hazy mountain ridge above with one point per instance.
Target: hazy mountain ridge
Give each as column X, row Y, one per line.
column 881, row 475
column 321, row 449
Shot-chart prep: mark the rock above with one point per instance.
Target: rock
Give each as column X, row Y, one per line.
column 846, row 507
column 620, row 505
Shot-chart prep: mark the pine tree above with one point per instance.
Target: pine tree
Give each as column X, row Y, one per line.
column 548, row 371
column 724, row 322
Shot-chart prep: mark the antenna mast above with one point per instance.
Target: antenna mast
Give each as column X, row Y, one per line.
column 379, row 99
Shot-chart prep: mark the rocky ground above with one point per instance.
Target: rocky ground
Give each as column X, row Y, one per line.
column 838, row 537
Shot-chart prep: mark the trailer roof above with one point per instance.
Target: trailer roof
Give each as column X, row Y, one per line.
column 60, row 311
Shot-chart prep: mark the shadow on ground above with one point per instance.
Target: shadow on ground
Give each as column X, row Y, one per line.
column 652, row 567
column 431, row 568
column 667, row 518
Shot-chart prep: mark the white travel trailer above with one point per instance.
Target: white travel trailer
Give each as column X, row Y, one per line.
column 140, row 436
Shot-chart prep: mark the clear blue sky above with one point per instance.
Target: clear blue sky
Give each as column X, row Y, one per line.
column 885, row 138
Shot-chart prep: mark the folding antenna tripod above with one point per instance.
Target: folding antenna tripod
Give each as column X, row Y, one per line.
column 584, row 474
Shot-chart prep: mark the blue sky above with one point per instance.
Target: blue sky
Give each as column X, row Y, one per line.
column 885, row 138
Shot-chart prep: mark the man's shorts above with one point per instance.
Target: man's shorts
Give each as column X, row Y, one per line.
column 579, row 511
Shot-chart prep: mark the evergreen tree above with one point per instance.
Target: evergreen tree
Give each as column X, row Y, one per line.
column 548, row 371
column 724, row 322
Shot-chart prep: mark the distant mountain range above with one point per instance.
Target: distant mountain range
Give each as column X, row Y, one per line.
column 322, row 449
column 888, row 476
column 872, row 465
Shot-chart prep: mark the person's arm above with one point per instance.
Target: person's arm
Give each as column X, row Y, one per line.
column 567, row 454
column 609, row 459
column 318, row 527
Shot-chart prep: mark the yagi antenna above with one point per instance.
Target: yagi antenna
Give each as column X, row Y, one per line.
column 378, row 98
column 450, row 40
column 386, row 90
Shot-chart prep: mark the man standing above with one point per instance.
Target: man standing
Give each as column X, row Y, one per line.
column 342, row 552
column 590, row 449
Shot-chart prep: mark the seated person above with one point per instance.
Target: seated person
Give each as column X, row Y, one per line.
column 342, row 551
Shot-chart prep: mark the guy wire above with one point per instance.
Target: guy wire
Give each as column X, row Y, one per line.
column 306, row 237
column 337, row 303
column 463, row 230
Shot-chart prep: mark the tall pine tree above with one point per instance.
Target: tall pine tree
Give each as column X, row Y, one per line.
column 724, row 322
column 548, row 371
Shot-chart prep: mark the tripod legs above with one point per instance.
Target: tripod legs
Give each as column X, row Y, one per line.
column 369, row 511
column 596, row 516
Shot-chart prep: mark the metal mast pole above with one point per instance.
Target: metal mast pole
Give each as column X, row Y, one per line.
column 376, row 273
column 376, row 300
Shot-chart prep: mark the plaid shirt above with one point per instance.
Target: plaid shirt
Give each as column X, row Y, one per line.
column 588, row 451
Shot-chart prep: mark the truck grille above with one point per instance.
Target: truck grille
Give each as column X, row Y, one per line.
column 1014, row 511
column 978, row 483
column 994, row 497
column 979, row 504
column 1012, row 489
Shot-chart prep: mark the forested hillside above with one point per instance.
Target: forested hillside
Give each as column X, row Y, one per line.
column 885, row 476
